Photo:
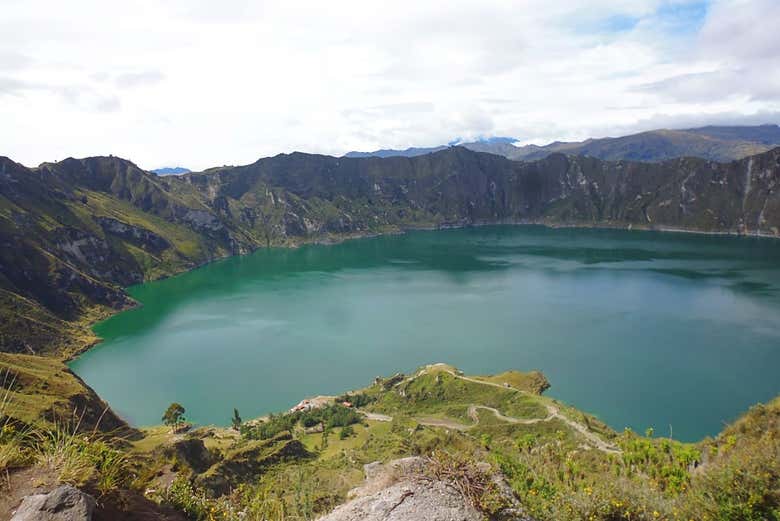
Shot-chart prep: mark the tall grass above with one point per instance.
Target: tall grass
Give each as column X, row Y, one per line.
column 69, row 455
column 13, row 449
column 62, row 452
column 79, row 458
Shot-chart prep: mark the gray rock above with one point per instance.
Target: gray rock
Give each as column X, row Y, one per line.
column 65, row 503
column 399, row 491
column 371, row 470
column 408, row 500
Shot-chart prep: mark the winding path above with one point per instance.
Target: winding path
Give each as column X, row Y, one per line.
column 552, row 413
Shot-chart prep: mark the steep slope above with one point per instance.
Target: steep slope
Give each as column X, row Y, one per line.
column 42, row 391
column 74, row 233
column 461, row 187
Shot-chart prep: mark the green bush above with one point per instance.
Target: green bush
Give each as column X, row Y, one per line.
column 330, row 416
column 356, row 399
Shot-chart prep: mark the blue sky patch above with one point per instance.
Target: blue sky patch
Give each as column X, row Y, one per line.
column 683, row 18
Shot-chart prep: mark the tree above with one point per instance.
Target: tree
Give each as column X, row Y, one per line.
column 174, row 416
column 236, row 420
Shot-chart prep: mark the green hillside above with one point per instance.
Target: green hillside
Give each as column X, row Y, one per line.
column 558, row 463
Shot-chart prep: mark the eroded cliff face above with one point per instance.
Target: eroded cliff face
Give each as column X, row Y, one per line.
column 311, row 195
column 74, row 232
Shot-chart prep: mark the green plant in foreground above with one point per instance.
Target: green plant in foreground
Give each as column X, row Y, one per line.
column 463, row 473
column 77, row 458
column 14, row 450
column 73, row 457
column 182, row 496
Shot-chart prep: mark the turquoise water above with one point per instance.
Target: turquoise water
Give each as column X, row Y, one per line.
column 640, row 328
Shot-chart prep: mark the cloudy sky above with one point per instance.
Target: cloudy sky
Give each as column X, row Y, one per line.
column 202, row 83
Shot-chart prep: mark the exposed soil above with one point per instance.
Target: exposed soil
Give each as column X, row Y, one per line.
column 123, row 505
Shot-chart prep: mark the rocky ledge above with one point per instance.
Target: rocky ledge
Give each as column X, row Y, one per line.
column 401, row 491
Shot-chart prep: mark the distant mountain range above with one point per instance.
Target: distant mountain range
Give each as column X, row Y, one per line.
column 171, row 170
column 389, row 152
column 491, row 145
column 717, row 143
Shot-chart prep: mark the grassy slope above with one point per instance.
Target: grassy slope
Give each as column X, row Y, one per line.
column 439, row 392
column 43, row 392
column 555, row 470
column 552, row 468
column 44, row 310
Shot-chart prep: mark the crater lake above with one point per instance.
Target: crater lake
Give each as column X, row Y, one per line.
column 678, row 332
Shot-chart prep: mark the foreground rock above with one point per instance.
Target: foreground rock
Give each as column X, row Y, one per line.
column 399, row 492
column 65, row 503
column 408, row 500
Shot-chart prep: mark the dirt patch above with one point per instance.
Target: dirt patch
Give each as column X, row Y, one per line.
column 18, row 484
column 122, row 505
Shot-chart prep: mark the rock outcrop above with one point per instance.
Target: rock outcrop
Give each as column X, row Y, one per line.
column 399, row 491
column 65, row 503
column 407, row 501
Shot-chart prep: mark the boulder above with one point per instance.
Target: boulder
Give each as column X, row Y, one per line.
column 64, row 503
column 408, row 500
column 400, row 491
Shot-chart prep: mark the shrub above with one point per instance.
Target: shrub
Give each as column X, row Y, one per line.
column 741, row 482
column 330, row 416
column 346, row 432
column 475, row 484
column 64, row 452
column 356, row 399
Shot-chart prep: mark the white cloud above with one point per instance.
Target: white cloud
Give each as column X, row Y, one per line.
column 735, row 57
column 201, row 83
column 137, row 79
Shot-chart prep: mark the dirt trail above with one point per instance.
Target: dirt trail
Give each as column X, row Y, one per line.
column 443, row 422
column 376, row 416
column 552, row 413
column 472, row 412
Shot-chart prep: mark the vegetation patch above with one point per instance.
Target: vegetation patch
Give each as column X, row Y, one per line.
column 299, row 465
column 443, row 392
